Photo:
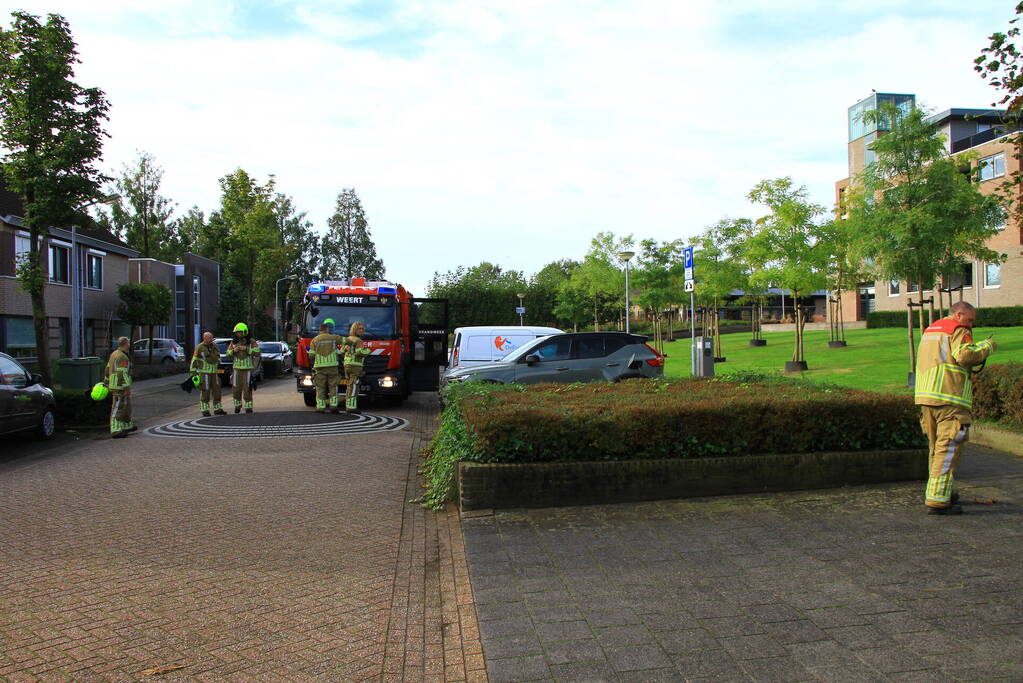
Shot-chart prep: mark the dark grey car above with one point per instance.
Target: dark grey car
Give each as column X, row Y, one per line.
column 571, row 357
column 25, row 404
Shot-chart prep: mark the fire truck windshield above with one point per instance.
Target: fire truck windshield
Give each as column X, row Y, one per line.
column 379, row 320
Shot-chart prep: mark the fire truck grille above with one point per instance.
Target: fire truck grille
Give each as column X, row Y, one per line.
column 375, row 365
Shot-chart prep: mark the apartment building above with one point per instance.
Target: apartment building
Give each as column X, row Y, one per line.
column 980, row 133
column 83, row 266
column 196, row 286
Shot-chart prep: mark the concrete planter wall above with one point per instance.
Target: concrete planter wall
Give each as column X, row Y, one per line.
column 483, row 486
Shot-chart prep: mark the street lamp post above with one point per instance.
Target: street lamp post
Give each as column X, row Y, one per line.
column 277, row 307
column 521, row 309
column 626, row 256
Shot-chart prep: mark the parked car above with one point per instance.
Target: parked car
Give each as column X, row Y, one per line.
column 278, row 351
column 227, row 363
column 571, row 357
column 477, row 345
column 164, row 351
column 25, row 404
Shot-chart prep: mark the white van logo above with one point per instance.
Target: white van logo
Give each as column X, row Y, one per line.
column 503, row 343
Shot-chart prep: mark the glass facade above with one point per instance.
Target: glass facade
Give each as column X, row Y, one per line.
column 858, row 128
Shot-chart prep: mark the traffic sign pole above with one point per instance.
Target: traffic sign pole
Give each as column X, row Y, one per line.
column 690, row 286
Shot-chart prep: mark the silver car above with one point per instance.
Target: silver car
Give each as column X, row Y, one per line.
column 572, row 357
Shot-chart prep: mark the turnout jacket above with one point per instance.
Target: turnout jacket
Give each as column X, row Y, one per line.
column 118, row 371
column 206, row 358
column 354, row 350
column 323, row 349
column 947, row 352
column 243, row 353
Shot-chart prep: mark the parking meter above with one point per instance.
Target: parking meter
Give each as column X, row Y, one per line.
column 703, row 357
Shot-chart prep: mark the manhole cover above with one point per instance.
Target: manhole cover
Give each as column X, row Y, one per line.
column 275, row 425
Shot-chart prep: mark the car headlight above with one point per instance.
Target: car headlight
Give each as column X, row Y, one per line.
column 387, row 382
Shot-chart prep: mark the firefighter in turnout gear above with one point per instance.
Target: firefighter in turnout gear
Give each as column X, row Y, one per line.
column 118, row 380
column 205, row 362
column 244, row 351
column 354, row 351
column 323, row 349
column 943, row 391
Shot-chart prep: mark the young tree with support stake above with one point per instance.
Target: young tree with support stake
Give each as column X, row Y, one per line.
column 52, row 131
column 785, row 250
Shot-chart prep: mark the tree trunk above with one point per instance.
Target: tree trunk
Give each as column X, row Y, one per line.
column 42, row 336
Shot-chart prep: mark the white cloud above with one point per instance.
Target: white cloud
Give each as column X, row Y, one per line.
column 511, row 132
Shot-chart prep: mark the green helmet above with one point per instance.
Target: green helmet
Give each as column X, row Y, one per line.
column 99, row 392
column 241, row 327
column 329, row 322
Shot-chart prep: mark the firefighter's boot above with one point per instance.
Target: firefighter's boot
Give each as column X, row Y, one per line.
column 219, row 409
column 248, row 406
column 352, row 405
column 237, row 406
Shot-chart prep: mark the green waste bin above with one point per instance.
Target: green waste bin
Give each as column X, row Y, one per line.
column 79, row 373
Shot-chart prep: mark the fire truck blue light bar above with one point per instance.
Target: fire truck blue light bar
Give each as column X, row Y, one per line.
column 386, row 290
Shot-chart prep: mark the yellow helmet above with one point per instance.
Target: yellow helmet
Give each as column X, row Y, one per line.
column 99, row 392
column 241, row 327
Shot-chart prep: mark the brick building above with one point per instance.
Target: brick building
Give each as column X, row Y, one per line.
column 981, row 133
column 97, row 257
column 196, row 286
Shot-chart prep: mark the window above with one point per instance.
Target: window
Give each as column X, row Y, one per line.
column 993, row 275
column 22, row 247
column 59, row 264
column 963, row 279
column 912, row 287
column 18, row 337
column 992, row 166
column 893, row 288
column 589, row 346
column 93, row 271
column 555, row 349
column 613, row 342
column 63, row 337
column 11, row 373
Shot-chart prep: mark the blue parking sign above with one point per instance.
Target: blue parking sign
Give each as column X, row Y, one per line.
column 687, row 258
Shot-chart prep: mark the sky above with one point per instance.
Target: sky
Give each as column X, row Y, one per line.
column 511, row 131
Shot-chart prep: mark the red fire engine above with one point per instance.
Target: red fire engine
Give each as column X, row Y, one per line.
column 407, row 337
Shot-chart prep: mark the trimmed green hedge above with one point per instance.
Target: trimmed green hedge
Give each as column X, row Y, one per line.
column 997, row 316
column 998, row 394
column 75, row 408
column 745, row 414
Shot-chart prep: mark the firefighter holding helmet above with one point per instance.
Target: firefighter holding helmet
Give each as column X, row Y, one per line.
column 244, row 352
column 354, row 351
column 118, row 381
column 943, row 391
column 205, row 362
column 323, row 348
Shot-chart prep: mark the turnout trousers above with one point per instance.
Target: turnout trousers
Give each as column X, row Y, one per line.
column 326, row 379
column 241, row 389
column 352, row 375
column 120, row 411
column 209, row 388
column 947, row 428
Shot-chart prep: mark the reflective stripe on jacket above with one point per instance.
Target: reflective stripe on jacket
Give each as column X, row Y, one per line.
column 323, row 349
column 354, row 350
column 206, row 358
column 244, row 355
column 943, row 363
column 118, row 371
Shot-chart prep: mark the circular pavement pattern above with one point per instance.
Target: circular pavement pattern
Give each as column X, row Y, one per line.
column 275, row 425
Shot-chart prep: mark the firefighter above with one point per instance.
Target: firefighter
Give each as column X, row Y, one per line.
column 244, row 350
column 943, row 366
column 354, row 351
column 323, row 349
column 205, row 362
column 118, row 380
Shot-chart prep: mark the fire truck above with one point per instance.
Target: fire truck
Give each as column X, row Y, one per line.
column 407, row 337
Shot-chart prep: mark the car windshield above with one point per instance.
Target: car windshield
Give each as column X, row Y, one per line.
column 379, row 320
column 522, row 350
column 270, row 347
column 223, row 346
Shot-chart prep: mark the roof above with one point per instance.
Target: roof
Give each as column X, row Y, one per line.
column 12, row 206
column 990, row 115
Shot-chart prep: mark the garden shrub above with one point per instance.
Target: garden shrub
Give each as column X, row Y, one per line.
column 75, row 408
column 741, row 414
column 997, row 316
column 998, row 394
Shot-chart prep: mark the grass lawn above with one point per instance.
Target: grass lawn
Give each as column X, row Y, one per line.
column 877, row 360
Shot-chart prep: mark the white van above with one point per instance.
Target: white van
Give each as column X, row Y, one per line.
column 477, row 345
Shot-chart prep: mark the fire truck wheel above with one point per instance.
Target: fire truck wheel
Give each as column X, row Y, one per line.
column 309, row 398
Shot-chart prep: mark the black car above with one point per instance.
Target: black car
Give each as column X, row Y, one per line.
column 25, row 404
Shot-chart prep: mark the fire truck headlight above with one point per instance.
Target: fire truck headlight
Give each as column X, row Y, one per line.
column 388, row 382
column 307, row 380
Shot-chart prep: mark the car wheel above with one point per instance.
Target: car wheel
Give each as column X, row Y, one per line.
column 168, row 360
column 47, row 425
column 291, row 369
column 309, row 398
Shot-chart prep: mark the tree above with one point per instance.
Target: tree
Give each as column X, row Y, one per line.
column 719, row 273
column 658, row 277
column 844, row 271
column 145, row 304
column 51, row 129
column 347, row 248
column 482, row 295
column 1001, row 65
column 542, row 292
column 785, row 248
column 140, row 215
column 913, row 210
column 601, row 277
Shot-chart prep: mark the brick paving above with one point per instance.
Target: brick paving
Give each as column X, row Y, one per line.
column 255, row 559
column 852, row 584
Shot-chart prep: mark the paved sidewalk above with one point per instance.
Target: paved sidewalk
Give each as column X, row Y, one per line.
column 251, row 559
column 852, row 584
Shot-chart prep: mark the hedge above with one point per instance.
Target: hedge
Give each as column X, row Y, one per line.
column 997, row 316
column 736, row 415
column 998, row 395
column 75, row 408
